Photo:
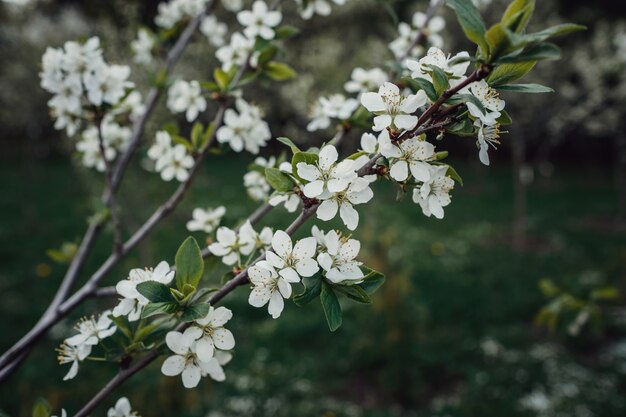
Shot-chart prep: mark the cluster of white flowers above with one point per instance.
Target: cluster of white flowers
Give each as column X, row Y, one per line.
column 173, row 12
column 320, row 7
column 363, row 81
column 256, row 185
column 237, row 52
column 244, row 128
column 76, row 348
column 231, row 245
column 336, row 106
column 392, row 109
column 201, row 349
column 408, row 33
column 115, row 139
column 122, row 408
column 142, row 47
column 259, row 21
column 186, row 97
column 132, row 303
column 455, row 67
column 78, row 76
column 206, row 220
column 287, row 264
column 171, row 160
column 214, row 30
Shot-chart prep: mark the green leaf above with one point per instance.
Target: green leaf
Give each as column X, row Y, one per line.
column 123, row 325
column 189, row 264
column 331, row 307
column 466, row 98
column 471, row 22
column 312, row 290
column 440, row 79
column 547, row 288
column 461, row 128
column 306, row 157
column 156, row 292
column 152, row 309
column 421, row 84
column 195, row 312
column 553, row 31
column 196, row 133
column 279, row 72
column 518, row 14
column 441, row 155
column 454, row 175
column 526, row 88
column 288, row 142
column 209, row 85
column 63, row 255
column 534, row 53
column 285, row 32
column 507, row 73
column 355, row 293
column 505, row 118
column 222, row 78
column 373, row 280
column 42, row 408
column 607, row 293
column 279, row 181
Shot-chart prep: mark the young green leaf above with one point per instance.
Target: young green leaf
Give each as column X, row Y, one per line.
column 222, row 78
column 156, row 292
column 421, row 84
column 526, row 88
column 278, row 71
column 312, row 290
column 440, row 79
column 285, row 32
column 189, row 264
column 471, row 22
column 507, row 73
column 372, row 281
column 518, row 14
column 553, row 31
column 195, row 312
column 534, row 53
column 152, row 309
column 355, row 293
column 42, row 408
column 331, row 307
column 278, row 180
column 288, row 142
column 196, row 135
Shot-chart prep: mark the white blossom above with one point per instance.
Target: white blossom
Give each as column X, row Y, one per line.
column 142, row 47
column 369, row 143
column 487, row 135
column 205, row 220
column 231, row 245
column 259, row 21
column 292, row 262
column 409, row 157
column 237, row 52
column 185, row 361
column 244, row 128
column 268, row 288
column 290, row 200
column 214, row 367
column 320, row 7
column 172, row 12
column 338, row 261
column 162, row 146
column 490, row 100
column 214, row 30
column 132, row 303
column 336, row 106
column 391, row 108
column 186, row 97
column 257, row 187
column 358, row 192
column 326, row 176
column 436, row 57
column 363, row 81
column 433, row 195
column 214, row 335
column 232, row 5
column 107, row 84
column 175, row 164
column 400, row 46
column 91, row 331
column 122, row 409
column 72, row 354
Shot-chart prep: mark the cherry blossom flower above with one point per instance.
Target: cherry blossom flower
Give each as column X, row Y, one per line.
column 489, row 98
column 205, row 220
column 320, row 7
column 91, row 331
column 237, row 52
column 336, row 106
column 133, row 302
column 214, row 335
column 257, row 187
column 162, row 146
column 433, row 195
column 232, row 5
column 214, row 30
column 244, row 128
column 214, row 366
column 107, row 84
column 487, row 135
column 290, row 200
column 363, row 80
column 259, row 21
column 292, row 262
column 172, row 12
column 438, row 58
column 231, row 245
column 175, row 164
column 122, row 409
column 404, row 41
column 358, row 192
column 391, row 108
column 435, row 25
column 369, row 143
column 72, row 354
column 186, row 97
column 142, row 47
column 185, row 361
column 268, row 288
column 411, row 156
column 327, row 176
column 339, row 261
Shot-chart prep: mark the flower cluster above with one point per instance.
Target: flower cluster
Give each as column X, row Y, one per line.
column 78, row 347
column 186, row 97
column 132, row 303
column 231, row 245
column 214, row 30
column 321, row 7
column 201, row 349
column 174, row 11
column 259, row 21
column 122, row 408
column 244, row 128
column 206, row 220
column 405, row 42
column 115, row 139
column 336, row 106
column 171, row 160
column 79, row 79
column 142, row 47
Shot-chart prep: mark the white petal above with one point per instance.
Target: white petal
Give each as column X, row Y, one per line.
column 276, row 305
column 205, row 349
column 327, row 210
column 307, row 267
column 281, row 243
column 349, row 216
column 399, row 171
column 373, row 102
column 173, row 365
column 223, row 339
column 191, row 376
column 305, row 248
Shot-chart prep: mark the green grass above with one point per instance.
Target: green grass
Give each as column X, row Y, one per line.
column 415, row 352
